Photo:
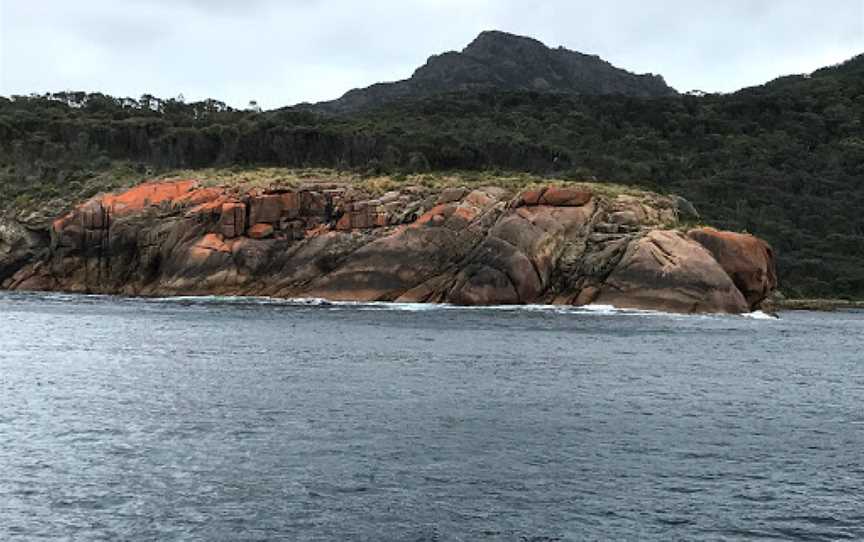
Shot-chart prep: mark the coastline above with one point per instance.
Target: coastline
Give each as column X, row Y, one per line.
column 574, row 244
column 817, row 304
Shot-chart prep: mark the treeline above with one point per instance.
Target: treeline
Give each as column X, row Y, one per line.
column 784, row 160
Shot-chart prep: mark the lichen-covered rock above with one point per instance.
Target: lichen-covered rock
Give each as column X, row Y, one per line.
column 666, row 271
column 260, row 231
column 748, row 260
column 480, row 246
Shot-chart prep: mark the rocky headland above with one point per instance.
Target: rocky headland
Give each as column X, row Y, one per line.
column 570, row 245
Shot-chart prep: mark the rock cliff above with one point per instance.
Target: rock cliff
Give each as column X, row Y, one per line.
column 481, row 246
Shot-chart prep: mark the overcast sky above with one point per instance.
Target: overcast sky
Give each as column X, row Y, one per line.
column 281, row 52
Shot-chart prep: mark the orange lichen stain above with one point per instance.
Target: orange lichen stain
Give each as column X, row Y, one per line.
column 478, row 198
column 209, row 244
column 61, row 223
column 444, row 210
column 466, row 212
column 200, row 196
column 147, row 194
column 260, row 231
column 214, row 206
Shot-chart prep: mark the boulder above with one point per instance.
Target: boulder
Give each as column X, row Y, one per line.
column 667, row 271
column 529, row 197
column 748, row 260
column 555, row 196
column 565, row 197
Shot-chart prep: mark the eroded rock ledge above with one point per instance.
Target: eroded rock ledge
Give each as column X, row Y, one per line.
column 486, row 246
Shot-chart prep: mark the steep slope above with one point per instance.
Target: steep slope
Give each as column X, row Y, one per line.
column 501, row 61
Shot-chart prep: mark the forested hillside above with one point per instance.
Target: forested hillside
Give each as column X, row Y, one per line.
column 784, row 160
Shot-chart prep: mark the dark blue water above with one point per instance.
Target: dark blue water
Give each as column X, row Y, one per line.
column 191, row 420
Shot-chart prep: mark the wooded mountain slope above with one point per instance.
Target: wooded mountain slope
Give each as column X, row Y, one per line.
column 784, row 160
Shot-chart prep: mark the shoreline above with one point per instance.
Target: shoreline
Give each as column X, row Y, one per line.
column 786, row 305
column 817, row 304
column 595, row 308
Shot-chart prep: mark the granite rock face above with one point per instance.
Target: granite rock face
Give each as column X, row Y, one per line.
column 667, row 271
column 480, row 246
column 748, row 260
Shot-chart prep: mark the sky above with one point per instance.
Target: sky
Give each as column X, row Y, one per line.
column 281, row 52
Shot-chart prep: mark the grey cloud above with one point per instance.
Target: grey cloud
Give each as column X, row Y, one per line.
column 284, row 51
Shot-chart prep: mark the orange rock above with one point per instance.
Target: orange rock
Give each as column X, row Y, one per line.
column 209, row 207
column 260, row 231
column 479, row 198
column 59, row 224
column 213, row 241
column 201, row 196
column 146, row 195
column 748, row 260
column 530, row 197
column 444, row 210
column 565, row 197
column 466, row 212
column 208, row 245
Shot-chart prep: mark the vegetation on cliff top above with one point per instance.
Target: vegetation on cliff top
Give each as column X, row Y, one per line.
column 784, row 160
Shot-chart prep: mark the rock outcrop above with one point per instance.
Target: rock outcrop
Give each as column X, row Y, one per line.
column 748, row 260
column 482, row 246
column 665, row 270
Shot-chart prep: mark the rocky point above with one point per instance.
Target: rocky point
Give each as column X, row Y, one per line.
column 482, row 246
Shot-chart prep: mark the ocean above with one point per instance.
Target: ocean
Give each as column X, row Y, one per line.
column 255, row 419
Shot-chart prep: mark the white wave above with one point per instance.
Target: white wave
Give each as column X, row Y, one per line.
column 595, row 309
column 759, row 315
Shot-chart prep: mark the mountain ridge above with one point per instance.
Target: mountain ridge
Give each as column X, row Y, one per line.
column 497, row 60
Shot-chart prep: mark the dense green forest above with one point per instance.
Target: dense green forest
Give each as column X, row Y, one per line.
column 784, row 160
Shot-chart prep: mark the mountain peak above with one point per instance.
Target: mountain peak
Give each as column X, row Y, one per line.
column 500, row 61
column 490, row 39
